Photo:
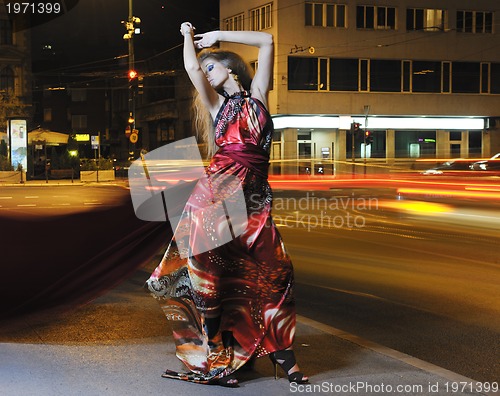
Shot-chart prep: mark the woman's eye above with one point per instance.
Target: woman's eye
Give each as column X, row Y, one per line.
column 210, row 68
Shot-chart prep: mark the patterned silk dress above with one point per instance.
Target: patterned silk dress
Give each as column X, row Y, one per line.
column 244, row 286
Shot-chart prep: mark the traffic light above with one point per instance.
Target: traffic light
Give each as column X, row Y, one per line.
column 132, row 74
column 368, row 137
column 140, row 85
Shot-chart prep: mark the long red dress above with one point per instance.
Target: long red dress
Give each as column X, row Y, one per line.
column 247, row 282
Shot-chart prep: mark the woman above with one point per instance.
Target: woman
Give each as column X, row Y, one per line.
column 233, row 303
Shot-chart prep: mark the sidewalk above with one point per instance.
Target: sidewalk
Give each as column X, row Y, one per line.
column 120, row 344
column 63, row 182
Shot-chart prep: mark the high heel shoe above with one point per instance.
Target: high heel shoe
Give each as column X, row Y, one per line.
column 229, row 381
column 286, row 360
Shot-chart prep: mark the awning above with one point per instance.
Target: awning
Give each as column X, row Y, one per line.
column 48, row 137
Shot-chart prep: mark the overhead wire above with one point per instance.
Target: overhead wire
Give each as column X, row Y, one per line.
column 353, row 46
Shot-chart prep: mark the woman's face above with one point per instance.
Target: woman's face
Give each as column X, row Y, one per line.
column 217, row 74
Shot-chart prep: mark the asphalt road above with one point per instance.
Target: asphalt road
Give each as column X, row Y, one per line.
column 59, row 200
column 421, row 281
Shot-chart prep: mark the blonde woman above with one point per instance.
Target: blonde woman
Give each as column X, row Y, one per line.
column 233, row 303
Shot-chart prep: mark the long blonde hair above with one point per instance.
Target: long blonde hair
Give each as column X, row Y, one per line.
column 202, row 119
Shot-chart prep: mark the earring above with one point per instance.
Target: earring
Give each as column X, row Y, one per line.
column 236, row 78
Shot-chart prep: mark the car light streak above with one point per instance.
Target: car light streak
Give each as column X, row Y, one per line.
column 416, row 206
column 448, row 193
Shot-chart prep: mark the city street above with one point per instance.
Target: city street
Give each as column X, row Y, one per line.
column 425, row 284
column 422, row 282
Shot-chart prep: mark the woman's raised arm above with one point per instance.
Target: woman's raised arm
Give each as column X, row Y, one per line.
column 264, row 41
column 193, row 68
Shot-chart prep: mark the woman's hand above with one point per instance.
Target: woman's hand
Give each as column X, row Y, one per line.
column 205, row 40
column 187, row 28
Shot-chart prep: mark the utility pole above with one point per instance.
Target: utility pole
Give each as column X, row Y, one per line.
column 130, row 26
column 366, row 111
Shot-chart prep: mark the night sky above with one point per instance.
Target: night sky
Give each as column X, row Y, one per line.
column 92, row 32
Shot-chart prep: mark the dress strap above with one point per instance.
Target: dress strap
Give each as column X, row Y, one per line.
column 236, row 95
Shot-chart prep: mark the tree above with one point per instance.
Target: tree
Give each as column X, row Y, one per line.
column 10, row 106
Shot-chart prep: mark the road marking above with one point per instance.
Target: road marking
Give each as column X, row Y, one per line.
column 92, row 203
column 32, row 196
column 27, row 205
column 61, row 204
column 383, row 350
column 6, row 197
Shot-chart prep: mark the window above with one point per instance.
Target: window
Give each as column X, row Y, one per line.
column 465, row 77
column 495, row 78
column 485, row 78
column 78, row 121
column 7, row 79
column 327, row 15
column 78, row 95
column 344, row 74
column 364, row 70
column 406, row 77
column 474, row 22
column 385, row 75
column 430, row 20
column 323, row 74
column 302, row 73
column 426, row 76
column 446, row 72
column 6, row 32
column 255, row 65
column 455, row 135
column 373, row 17
column 47, row 115
column 234, row 22
column 260, row 18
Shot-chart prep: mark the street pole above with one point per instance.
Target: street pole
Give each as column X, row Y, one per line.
column 130, row 25
column 353, row 153
column 366, row 111
column 131, row 60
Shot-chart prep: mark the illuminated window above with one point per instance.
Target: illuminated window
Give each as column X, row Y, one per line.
column 429, row 20
column 260, row 17
column 474, row 22
column 374, row 17
column 326, row 15
column 47, row 115
column 234, row 23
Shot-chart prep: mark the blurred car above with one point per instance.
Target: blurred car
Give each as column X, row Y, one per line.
column 450, row 168
column 492, row 164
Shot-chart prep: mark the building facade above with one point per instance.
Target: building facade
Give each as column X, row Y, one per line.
column 418, row 79
column 15, row 61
